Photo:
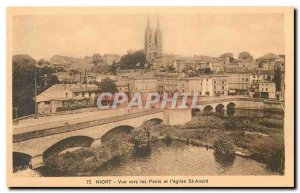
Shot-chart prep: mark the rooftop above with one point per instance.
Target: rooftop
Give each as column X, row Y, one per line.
column 269, row 56
column 58, row 91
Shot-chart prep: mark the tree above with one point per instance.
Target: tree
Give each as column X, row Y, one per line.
column 24, row 69
column 114, row 68
column 277, row 78
column 97, row 59
column 23, row 84
column 207, row 71
column 245, row 56
column 131, row 59
column 108, row 85
column 227, row 55
column 41, row 62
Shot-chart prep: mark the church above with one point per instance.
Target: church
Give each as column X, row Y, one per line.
column 154, row 45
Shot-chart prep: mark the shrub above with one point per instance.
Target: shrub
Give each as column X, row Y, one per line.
column 224, row 145
column 168, row 138
column 141, row 141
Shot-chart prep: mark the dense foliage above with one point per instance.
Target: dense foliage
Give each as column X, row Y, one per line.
column 24, row 69
column 141, row 140
column 224, row 145
column 133, row 60
column 108, row 85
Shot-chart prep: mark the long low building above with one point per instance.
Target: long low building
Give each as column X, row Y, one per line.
column 61, row 97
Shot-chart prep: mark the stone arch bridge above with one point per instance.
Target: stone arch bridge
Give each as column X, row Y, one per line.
column 36, row 145
column 227, row 106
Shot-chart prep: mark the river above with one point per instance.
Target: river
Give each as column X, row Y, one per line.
column 180, row 159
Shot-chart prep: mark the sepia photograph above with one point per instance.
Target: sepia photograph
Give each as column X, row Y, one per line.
column 150, row 96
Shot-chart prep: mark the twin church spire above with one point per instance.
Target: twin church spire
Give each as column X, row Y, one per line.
column 153, row 42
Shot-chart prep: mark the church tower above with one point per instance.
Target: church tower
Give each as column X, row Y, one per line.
column 153, row 45
column 158, row 40
column 149, row 42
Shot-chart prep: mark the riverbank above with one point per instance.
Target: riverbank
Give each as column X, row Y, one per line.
column 258, row 138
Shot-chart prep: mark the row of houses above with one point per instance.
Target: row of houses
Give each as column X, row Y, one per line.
column 256, row 84
column 62, row 97
column 224, row 63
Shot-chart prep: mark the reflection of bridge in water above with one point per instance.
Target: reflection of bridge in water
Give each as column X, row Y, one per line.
column 34, row 143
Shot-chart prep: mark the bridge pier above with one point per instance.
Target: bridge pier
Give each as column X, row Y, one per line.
column 177, row 116
column 36, row 162
column 96, row 143
column 225, row 111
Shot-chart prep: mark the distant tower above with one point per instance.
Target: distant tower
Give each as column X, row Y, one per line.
column 158, row 40
column 153, row 42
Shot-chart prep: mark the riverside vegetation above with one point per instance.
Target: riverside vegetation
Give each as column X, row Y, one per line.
column 258, row 138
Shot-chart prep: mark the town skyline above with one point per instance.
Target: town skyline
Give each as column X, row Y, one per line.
column 73, row 38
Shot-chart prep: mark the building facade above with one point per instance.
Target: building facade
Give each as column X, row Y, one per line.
column 267, row 90
column 238, row 83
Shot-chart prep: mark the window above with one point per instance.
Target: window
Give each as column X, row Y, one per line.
column 247, row 79
column 222, row 82
column 222, row 92
column 222, row 87
column 215, row 87
column 82, row 94
column 266, row 89
column 90, row 94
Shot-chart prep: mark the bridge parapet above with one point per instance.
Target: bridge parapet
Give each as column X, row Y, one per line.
column 67, row 128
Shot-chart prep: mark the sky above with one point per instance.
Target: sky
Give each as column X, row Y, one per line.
column 42, row 36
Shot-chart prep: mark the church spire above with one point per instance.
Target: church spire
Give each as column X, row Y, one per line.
column 148, row 22
column 158, row 24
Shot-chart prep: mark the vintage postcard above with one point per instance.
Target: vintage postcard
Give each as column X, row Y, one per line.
column 150, row 97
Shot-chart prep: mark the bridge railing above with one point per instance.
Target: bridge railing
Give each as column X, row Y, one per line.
column 67, row 128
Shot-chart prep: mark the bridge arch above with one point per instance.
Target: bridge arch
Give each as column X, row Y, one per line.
column 20, row 160
column 121, row 130
column 220, row 109
column 231, row 109
column 70, row 142
column 208, row 109
column 154, row 121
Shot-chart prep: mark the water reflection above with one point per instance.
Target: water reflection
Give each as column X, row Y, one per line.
column 224, row 160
